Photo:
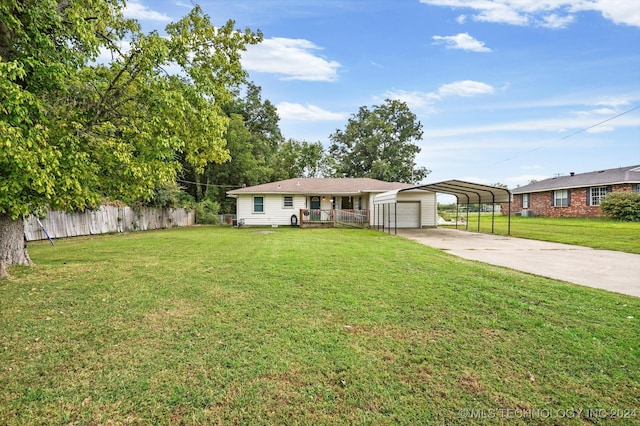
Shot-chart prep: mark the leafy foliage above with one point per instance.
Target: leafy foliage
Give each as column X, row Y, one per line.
column 207, row 212
column 252, row 137
column 75, row 132
column 170, row 195
column 299, row 159
column 378, row 143
column 622, row 206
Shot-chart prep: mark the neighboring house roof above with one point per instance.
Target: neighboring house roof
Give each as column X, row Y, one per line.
column 321, row 186
column 630, row 174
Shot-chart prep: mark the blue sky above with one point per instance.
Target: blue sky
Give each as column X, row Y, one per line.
column 506, row 90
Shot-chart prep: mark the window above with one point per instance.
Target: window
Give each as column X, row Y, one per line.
column 636, row 187
column 525, row 201
column 288, row 202
column 561, row 198
column 597, row 194
column 258, row 204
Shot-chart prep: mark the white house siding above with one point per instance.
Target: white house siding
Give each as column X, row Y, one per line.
column 274, row 211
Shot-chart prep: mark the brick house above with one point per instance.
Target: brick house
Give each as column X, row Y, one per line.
column 575, row 195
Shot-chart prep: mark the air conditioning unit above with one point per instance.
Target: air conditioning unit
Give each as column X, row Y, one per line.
column 526, row 213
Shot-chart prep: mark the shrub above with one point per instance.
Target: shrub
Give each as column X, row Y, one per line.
column 207, row 212
column 170, row 195
column 622, row 206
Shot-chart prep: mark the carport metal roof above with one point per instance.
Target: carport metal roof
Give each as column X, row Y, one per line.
column 465, row 192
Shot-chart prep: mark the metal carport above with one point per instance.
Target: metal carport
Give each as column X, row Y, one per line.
column 465, row 193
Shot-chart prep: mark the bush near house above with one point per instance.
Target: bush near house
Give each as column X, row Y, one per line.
column 622, row 206
column 207, row 212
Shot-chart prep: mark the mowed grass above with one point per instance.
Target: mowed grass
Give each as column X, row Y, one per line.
column 598, row 233
column 211, row 325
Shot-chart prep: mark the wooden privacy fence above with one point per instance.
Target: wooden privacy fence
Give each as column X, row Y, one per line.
column 107, row 219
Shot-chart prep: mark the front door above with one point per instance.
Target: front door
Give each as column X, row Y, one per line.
column 347, row 203
column 315, row 208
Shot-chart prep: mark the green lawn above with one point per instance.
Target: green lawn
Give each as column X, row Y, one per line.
column 599, row 233
column 213, row 325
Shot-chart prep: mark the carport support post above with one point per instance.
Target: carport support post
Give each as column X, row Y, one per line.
column 493, row 214
column 493, row 211
column 395, row 210
column 384, row 217
column 466, row 228
column 509, row 219
column 479, row 208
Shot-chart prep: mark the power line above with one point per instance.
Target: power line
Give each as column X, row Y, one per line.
column 572, row 134
column 208, row 184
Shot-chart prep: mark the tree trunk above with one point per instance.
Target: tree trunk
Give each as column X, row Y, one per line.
column 13, row 247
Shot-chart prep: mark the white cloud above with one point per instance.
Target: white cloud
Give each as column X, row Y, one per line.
column 555, row 125
column 547, row 13
column 555, row 21
column 462, row 41
column 414, row 99
column 619, row 11
column 292, row 111
column 293, row 59
column 598, row 112
column 497, row 12
column 466, row 88
column 417, row 99
column 616, row 101
column 141, row 12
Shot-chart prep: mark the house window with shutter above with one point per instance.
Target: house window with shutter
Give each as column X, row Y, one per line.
column 561, row 198
column 525, row 201
column 597, row 194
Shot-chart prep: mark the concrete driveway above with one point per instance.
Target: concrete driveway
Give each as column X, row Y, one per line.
column 605, row 269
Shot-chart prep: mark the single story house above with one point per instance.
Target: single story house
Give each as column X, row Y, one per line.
column 574, row 195
column 302, row 200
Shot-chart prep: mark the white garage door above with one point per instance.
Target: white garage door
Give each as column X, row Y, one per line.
column 408, row 214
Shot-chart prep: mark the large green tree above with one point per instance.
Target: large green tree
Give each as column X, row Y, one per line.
column 296, row 158
column 73, row 132
column 252, row 139
column 379, row 143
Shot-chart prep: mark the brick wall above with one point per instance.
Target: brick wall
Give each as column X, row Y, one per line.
column 541, row 203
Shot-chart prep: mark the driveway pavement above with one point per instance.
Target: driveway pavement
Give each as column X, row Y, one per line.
column 605, row 269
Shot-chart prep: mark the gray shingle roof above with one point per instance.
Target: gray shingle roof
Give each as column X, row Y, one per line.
column 629, row 174
column 321, row 186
